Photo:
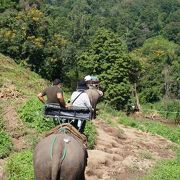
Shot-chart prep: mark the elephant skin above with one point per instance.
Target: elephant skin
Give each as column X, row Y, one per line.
column 94, row 95
column 49, row 163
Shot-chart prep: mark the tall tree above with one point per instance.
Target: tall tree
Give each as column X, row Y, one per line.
column 160, row 59
column 108, row 58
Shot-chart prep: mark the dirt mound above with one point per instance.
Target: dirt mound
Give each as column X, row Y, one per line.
column 124, row 153
column 8, row 91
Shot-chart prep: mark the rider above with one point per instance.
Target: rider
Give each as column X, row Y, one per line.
column 54, row 94
column 93, row 92
column 79, row 97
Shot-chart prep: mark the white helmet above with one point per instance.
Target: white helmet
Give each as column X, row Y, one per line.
column 87, row 78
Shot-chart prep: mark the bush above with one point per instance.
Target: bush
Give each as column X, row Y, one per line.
column 19, row 166
column 32, row 114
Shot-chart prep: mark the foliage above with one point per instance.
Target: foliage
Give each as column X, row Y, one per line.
column 158, row 57
column 108, row 58
column 27, row 36
column 20, row 166
column 32, row 114
column 50, row 37
column 90, row 132
column 4, row 4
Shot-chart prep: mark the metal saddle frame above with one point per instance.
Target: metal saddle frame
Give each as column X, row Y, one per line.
column 73, row 115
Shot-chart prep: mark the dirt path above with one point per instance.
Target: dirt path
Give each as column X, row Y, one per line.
column 124, row 153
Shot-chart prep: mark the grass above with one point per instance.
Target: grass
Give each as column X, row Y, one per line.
column 171, row 133
column 166, row 169
column 26, row 82
column 20, row 166
column 5, row 140
column 91, row 133
column 5, row 144
column 169, row 109
column 32, row 114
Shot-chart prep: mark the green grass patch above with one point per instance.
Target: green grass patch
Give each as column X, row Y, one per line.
column 169, row 109
column 32, row 113
column 90, row 132
column 20, row 166
column 5, row 140
column 5, row 144
column 166, row 170
column 1, row 119
column 171, row 133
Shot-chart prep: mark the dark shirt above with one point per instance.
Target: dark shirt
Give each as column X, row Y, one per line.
column 51, row 93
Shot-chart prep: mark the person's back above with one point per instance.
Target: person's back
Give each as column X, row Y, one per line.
column 54, row 94
column 51, row 93
column 79, row 97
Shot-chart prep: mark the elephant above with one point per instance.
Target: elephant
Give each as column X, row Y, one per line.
column 94, row 95
column 60, row 156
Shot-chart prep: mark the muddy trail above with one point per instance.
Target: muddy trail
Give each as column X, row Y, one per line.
column 119, row 153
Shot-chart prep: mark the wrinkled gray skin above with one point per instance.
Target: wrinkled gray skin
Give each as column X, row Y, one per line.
column 71, row 168
column 94, row 95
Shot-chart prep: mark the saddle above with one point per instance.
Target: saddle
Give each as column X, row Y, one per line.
column 68, row 128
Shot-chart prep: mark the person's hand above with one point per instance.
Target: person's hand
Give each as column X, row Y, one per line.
column 68, row 105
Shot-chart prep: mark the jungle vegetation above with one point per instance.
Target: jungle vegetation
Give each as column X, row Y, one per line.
column 132, row 46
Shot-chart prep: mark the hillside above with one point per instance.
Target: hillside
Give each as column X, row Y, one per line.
column 17, row 84
column 16, row 81
column 119, row 152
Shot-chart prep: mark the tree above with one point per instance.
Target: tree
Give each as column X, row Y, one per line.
column 159, row 58
column 108, row 58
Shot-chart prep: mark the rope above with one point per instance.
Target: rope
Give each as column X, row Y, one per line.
column 160, row 111
column 64, row 152
column 52, row 145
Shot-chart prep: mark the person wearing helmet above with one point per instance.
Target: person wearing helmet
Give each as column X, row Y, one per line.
column 93, row 92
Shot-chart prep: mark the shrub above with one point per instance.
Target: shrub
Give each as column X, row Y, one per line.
column 90, row 132
column 32, row 114
column 19, row 166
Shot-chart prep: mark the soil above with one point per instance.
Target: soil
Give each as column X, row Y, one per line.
column 124, row 153
column 119, row 153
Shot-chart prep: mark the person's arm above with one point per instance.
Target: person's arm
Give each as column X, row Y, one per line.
column 41, row 98
column 61, row 99
column 100, row 92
